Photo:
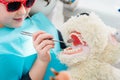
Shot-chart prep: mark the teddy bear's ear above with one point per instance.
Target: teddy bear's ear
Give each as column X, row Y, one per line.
column 117, row 35
column 115, row 38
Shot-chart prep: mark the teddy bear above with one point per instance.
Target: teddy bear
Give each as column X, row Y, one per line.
column 93, row 48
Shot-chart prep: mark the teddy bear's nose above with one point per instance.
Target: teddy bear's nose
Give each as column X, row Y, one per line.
column 84, row 14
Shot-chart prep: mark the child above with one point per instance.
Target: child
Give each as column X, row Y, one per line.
column 19, row 60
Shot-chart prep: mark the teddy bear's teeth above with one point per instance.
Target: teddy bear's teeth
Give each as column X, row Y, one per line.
column 72, row 51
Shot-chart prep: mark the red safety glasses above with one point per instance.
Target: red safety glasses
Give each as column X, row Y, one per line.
column 15, row 5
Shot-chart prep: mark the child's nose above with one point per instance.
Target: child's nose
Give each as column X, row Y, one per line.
column 22, row 10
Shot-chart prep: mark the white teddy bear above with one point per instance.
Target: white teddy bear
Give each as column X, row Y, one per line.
column 94, row 48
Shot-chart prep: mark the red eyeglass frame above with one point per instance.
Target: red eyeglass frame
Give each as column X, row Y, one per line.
column 22, row 2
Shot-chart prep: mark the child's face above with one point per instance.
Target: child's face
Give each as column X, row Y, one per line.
column 12, row 19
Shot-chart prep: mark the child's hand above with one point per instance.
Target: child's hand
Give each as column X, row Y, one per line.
column 63, row 75
column 43, row 45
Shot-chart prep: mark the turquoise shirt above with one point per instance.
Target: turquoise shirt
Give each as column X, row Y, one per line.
column 17, row 54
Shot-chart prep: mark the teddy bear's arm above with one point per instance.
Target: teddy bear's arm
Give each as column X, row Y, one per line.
column 116, row 73
column 107, row 72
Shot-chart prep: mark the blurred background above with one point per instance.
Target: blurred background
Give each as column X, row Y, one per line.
column 58, row 11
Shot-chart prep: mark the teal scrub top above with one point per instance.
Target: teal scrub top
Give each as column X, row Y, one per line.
column 17, row 54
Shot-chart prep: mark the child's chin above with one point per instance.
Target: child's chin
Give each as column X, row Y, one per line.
column 16, row 26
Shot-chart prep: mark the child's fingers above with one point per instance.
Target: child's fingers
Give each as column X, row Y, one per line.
column 46, row 49
column 43, row 44
column 42, row 37
column 36, row 34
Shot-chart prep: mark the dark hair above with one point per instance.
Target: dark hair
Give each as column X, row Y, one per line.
column 48, row 1
column 66, row 2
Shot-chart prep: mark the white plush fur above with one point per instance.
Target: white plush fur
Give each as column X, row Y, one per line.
column 95, row 63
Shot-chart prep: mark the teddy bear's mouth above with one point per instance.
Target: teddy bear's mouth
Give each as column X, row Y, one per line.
column 78, row 44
